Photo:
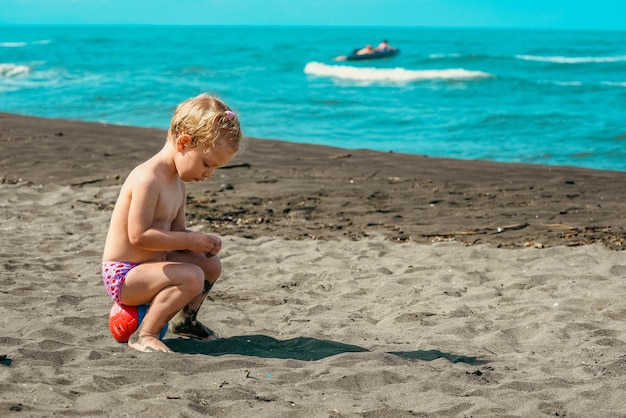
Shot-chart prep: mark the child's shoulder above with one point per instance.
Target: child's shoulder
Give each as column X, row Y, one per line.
column 143, row 174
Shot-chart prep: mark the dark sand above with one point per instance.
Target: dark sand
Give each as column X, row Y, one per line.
column 301, row 191
column 355, row 283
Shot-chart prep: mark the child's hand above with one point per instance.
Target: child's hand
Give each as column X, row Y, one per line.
column 203, row 243
column 217, row 246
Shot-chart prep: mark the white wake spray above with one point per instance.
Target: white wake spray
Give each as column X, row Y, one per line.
column 370, row 74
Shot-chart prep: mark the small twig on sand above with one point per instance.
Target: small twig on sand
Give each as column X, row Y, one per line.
column 82, row 183
column 246, row 165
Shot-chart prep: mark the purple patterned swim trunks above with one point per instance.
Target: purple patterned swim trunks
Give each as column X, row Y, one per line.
column 113, row 274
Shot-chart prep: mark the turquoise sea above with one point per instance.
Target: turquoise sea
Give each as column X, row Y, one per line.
column 538, row 97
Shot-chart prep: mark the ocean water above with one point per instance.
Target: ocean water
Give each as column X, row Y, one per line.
column 538, row 97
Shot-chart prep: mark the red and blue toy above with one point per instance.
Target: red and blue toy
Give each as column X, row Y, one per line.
column 124, row 321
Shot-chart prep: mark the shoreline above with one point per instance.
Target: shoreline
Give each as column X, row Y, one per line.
column 301, row 191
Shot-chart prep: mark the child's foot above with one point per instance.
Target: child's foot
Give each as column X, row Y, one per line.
column 185, row 326
column 147, row 344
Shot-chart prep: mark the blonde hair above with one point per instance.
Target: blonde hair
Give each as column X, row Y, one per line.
column 206, row 119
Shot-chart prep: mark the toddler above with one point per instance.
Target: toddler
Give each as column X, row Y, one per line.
column 149, row 255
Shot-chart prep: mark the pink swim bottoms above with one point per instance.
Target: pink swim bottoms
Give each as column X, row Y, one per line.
column 113, row 274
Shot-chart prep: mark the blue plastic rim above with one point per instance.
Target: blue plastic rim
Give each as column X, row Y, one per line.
column 141, row 312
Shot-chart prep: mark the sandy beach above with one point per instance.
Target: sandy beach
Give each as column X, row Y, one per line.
column 355, row 284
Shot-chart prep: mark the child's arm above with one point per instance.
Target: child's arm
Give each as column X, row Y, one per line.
column 179, row 225
column 145, row 232
column 142, row 231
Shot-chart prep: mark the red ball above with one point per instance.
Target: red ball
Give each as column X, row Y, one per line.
column 123, row 321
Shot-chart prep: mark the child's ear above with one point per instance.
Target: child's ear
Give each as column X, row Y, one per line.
column 183, row 141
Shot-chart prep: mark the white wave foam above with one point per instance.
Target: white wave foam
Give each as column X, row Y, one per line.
column 370, row 74
column 13, row 44
column 23, row 44
column 615, row 83
column 439, row 56
column 571, row 60
column 580, row 83
column 563, row 83
column 13, row 70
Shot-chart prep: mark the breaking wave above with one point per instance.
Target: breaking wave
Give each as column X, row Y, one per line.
column 13, row 70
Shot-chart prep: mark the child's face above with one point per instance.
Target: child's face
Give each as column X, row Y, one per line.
column 197, row 165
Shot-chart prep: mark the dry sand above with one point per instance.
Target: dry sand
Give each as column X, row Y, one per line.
column 355, row 284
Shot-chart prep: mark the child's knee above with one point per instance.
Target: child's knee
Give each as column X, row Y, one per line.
column 212, row 269
column 196, row 280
